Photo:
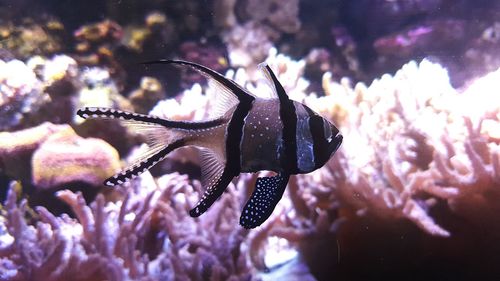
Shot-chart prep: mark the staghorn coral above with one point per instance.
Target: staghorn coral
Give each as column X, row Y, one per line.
column 136, row 238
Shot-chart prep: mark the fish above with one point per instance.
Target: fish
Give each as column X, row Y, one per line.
column 246, row 134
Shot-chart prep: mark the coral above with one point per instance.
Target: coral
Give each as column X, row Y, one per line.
column 97, row 43
column 51, row 90
column 32, row 37
column 156, row 32
column 341, row 59
column 425, row 38
column 98, row 33
column 248, row 44
column 469, row 168
column 209, row 55
column 390, row 123
column 147, row 95
column 417, row 140
column 282, row 16
column 146, row 236
column 192, row 105
column 100, row 89
column 21, row 92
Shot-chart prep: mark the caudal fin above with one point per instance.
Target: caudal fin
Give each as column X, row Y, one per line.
column 161, row 135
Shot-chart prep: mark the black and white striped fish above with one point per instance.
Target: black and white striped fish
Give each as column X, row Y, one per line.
column 249, row 134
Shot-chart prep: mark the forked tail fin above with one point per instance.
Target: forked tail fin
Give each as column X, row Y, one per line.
column 161, row 135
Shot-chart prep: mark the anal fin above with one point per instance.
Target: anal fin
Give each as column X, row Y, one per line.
column 214, row 178
column 268, row 192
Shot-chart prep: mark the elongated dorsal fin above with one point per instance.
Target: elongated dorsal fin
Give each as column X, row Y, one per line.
column 268, row 192
column 227, row 84
column 224, row 99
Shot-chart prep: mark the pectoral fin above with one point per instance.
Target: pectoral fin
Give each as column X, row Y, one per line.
column 268, row 192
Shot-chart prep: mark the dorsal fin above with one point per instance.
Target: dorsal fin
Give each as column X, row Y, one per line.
column 288, row 117
column 276, row 87
column 268, row 79
column 227, row 84
column 224, row 99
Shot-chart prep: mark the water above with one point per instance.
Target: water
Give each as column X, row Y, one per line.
column 413, row 192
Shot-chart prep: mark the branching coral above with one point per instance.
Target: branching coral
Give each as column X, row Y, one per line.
column 415, row 154
column 137, row 238
column 406, row 126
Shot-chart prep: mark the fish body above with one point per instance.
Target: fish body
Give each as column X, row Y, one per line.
column 249, row 134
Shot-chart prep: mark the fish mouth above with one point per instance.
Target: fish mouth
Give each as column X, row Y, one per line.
column 335, row 143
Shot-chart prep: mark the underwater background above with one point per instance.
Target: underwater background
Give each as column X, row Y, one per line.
column 412, row 194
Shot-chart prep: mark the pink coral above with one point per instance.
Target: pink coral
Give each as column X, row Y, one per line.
column 137, row 238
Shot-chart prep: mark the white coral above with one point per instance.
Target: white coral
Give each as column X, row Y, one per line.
column 412, row 133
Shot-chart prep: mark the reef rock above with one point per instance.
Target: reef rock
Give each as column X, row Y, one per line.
column 16, row 148
column 66, row 157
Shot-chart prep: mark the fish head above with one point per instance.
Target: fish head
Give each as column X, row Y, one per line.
column 326, row 139
column 332, row 137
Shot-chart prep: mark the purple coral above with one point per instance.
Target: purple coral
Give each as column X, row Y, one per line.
column 137, row 238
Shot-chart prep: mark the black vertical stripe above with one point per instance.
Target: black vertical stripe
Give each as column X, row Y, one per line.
column 288, row 117
column 235, row 127
column 320, row 144
column 234, row 136
column 234, row 131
